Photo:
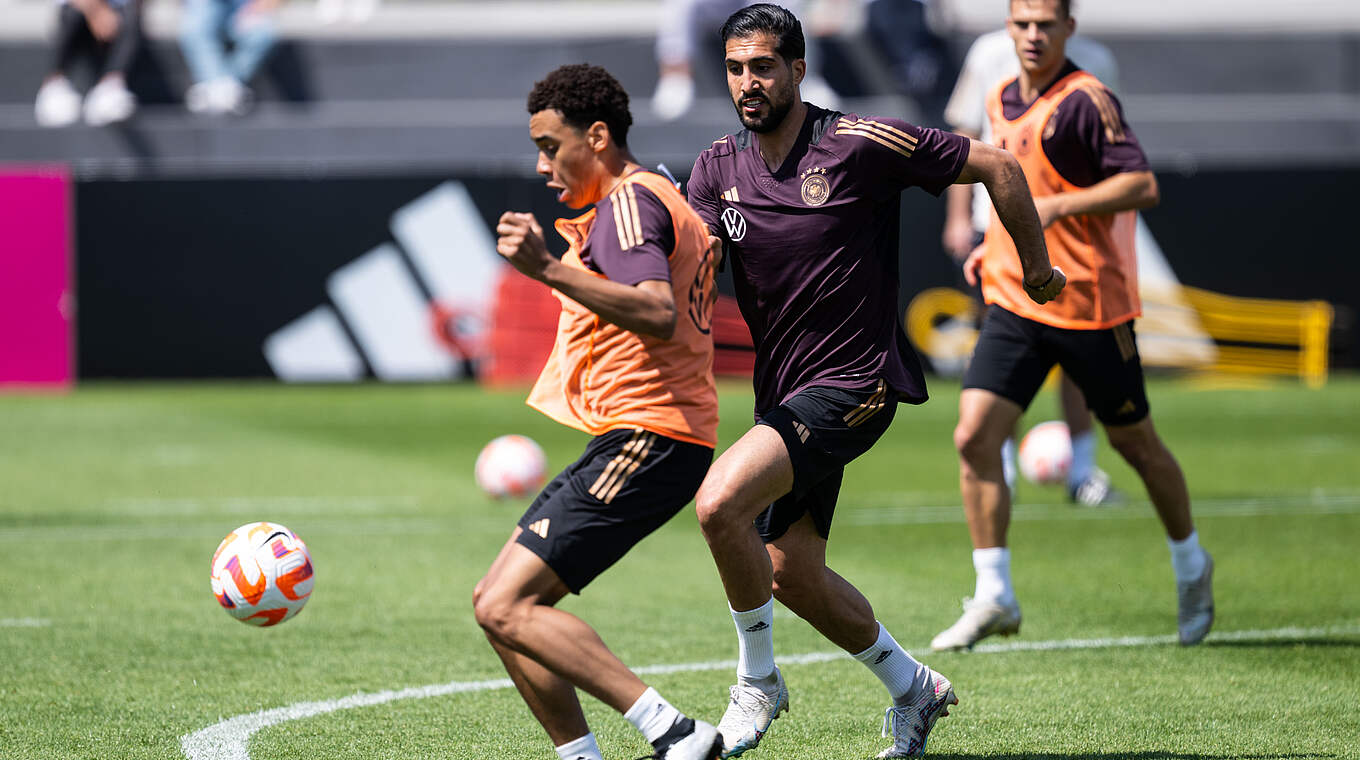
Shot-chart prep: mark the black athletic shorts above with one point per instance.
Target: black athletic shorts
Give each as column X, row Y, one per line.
column 824, row 429
column 1014, row 355
column 627, row 484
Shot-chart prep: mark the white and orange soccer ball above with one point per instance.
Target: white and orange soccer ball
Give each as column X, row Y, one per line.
column 262, row 573
column 512, row 465
column 1046, row 453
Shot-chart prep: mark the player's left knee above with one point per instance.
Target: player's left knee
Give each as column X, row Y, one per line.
column 499, row 614
column 717, row 509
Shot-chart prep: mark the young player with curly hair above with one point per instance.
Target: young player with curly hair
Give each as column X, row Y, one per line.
column 633, row 367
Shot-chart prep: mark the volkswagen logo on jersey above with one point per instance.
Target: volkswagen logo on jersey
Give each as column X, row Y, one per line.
column 735, row 224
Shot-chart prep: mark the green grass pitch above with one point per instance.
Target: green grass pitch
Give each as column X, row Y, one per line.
column 112, row 499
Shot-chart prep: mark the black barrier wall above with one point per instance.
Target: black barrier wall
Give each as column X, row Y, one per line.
column 190, row 278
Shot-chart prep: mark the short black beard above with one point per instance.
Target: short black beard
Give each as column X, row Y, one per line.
column 771, row 121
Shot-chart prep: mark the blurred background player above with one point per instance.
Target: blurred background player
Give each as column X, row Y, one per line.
column 687, row 24
column 108, row 32
column 224, row 43
column 806, row 202
column 991, row 59
column 1088, row 175
column 632, row 366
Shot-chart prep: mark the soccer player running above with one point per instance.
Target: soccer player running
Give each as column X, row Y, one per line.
column 806, row 203
column 632, row 366
column 1088, row 176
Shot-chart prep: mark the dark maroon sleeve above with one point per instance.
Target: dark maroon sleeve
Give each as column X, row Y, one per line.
column 896, row 154
column 632, row 238
column 701, row 195
column 1088, row 140
column 940, row 157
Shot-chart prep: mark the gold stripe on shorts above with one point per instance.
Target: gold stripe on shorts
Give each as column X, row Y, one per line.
column 861, row 414
column 616, row 473
column 629, row 469
column 1123, row 337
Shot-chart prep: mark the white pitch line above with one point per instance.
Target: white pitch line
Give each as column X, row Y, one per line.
column 24, row 622
column 1320, row 503
column 229, row 739
column 887, row 513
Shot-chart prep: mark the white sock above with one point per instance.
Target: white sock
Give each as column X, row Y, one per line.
column 652, row 715
column 1008, row 470
column 898, row 670
column 993, row 568
column 1187, row 558
column 1083, row 458
column 755, row 642
column 584, row 748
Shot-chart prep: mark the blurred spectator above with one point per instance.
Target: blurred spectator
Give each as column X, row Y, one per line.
column 108, row 31
column 224, row 43
column 917, row 58
column 686, row 25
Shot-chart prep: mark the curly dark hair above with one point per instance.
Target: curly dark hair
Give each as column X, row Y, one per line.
column 584, row 94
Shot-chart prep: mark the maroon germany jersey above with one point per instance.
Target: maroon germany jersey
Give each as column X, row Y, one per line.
column 814, row 246
column 1087, row 139
column 634, row 238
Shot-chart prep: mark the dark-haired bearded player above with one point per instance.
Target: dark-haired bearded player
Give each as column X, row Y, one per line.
column 806, row 203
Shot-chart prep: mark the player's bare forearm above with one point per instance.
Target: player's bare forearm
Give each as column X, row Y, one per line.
column 647, row 308
column 1000, row 173
column 1126, row 191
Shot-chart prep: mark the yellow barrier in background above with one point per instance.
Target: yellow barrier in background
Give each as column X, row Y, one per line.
column 1266, row 336
column 1254, row 336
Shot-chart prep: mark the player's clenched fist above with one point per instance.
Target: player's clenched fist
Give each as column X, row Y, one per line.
column 1049, row 289
column 520, row 242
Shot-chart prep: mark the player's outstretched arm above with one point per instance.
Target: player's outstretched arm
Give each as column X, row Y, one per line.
column 1000, row 173
column 647, row 308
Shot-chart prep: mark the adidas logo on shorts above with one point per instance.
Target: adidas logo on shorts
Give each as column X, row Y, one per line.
column 540, row 527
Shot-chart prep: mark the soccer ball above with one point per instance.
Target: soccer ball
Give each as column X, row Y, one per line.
column 262, row 573
column 1046, row 453
column 511, row 465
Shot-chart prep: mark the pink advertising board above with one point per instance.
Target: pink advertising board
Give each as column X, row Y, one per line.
column 36, row 303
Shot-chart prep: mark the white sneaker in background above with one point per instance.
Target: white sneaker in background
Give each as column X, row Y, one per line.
column 57, row 104
column 219, row 97
column 979, row 620
column 673, row 97
column 1095, row 491
column 750, row 713
column 909, row 725
column 198, row 98
column 233, row 98
column 109, row 102
column 1195, row 605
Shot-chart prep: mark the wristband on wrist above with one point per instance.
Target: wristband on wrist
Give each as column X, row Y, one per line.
column 1045, row 282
